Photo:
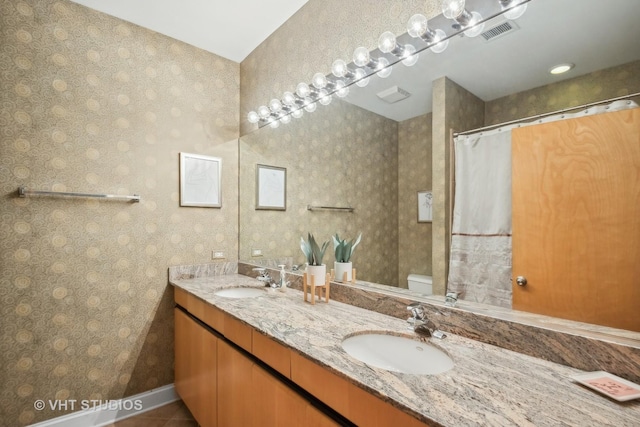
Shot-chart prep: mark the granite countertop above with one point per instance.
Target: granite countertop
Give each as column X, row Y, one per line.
column 488, row 385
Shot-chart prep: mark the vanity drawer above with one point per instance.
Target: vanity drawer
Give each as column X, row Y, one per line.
column 237, row 332
column 273, row 354
column 204, row 311
column 354, row 403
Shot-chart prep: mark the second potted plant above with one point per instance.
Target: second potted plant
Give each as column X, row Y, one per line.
column 343, row 251
column 314, row 254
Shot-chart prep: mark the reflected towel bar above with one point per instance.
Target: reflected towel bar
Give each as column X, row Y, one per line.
column 24, row 192
column 328, row 208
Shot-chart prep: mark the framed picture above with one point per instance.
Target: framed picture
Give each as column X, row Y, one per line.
column 200, row 178
column 425, row 202
column 271, row 188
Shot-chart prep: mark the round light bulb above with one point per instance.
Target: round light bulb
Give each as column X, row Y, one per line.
column 319, row 80
column 342, row 90
column 361, row 77
column 387, row 42
column 310, row 105
column 285, row 119
column 323, row 97
column 288, row 98
column 410, row 56
column 440, row 46
column 253, row 117
column 339, row 68
column 361, row 57
column 417, row 25
column 516, row 12
column 275, row 123
column 303, row 90
column 264, row 112
column 383, row 68
column 475, row 29
column 451, row 9
column 275, row 105
column 297, row 113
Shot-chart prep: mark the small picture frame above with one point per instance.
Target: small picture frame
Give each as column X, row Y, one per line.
column 425, row 206
column 200, row 181
column 271, row 188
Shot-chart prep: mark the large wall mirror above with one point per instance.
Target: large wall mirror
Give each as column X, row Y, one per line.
column 372, row 150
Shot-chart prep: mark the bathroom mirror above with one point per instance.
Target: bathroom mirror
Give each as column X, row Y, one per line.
column 375, row 155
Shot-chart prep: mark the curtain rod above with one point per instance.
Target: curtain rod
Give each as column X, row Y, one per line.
column 531, row 118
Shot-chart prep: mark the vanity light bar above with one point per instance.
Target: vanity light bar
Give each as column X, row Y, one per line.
column 323, row 87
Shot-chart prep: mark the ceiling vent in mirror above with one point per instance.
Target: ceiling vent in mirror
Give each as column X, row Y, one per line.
column 393, row 94
column 499, row 30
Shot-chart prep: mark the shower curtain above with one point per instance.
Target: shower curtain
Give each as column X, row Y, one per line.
column 480, row 258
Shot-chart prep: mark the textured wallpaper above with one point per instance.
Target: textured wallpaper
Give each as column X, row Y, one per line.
column 340, row 155
column 593, row 87
column 93, row 104
column 414, row 174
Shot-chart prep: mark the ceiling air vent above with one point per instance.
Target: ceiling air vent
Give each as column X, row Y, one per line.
column 393, row 94
column 499, row 30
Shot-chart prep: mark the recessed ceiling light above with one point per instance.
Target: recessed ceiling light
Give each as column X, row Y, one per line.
column 561, row 68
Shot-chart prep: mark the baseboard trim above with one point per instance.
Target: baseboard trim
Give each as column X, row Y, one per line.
column 114, row 410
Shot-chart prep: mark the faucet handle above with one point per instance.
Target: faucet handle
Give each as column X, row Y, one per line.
column 417, row 311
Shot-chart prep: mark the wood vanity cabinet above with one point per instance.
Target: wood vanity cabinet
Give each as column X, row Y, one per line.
column 222, row 386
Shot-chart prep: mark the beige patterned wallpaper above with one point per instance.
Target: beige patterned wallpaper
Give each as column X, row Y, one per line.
column 593, row 87
column 93, row 104
column 340, row 155
column 414, row 174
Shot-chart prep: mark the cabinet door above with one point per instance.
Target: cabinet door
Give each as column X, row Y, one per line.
column 195, row 368
column 236, row 396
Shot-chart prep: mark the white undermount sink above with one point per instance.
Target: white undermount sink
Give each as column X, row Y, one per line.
column 397, row 354
column 240, row 292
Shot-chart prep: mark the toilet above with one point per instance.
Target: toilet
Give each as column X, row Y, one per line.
column 420, row 283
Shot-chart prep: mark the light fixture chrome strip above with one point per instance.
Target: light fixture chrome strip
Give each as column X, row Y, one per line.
column 323, row 87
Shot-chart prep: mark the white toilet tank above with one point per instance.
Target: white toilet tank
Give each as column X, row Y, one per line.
column 420, row 283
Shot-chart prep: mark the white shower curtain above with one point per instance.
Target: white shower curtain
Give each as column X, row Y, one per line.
column 480, row 259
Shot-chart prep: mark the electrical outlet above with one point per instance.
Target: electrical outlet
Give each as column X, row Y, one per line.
column 256, row 252
column 217, row 255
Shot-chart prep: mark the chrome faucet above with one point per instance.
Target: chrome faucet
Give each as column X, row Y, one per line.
column 264, row 277
column 420, row 324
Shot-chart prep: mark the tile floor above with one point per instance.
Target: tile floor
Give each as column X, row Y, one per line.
column 174, row 414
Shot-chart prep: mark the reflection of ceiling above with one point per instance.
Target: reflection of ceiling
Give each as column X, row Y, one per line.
column 231, row 29
column 593, row 34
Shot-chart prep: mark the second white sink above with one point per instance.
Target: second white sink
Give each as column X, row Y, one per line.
column 397, row 354
column 240, row 292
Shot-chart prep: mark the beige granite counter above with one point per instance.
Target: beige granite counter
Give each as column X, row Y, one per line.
column 489, row 385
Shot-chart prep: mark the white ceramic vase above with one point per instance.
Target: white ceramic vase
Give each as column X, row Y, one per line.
column 318, row 272
column 343, row 267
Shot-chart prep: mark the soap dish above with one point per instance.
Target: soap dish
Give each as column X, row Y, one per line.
column 610, row 385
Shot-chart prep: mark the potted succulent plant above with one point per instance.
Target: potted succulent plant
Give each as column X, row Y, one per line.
column 343, row 251
column 314, row 254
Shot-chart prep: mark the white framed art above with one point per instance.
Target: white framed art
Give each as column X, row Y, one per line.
column 271, row 188
column 425, row 206
column 200, row 180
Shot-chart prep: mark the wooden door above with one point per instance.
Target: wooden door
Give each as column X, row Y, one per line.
column 576, row 219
